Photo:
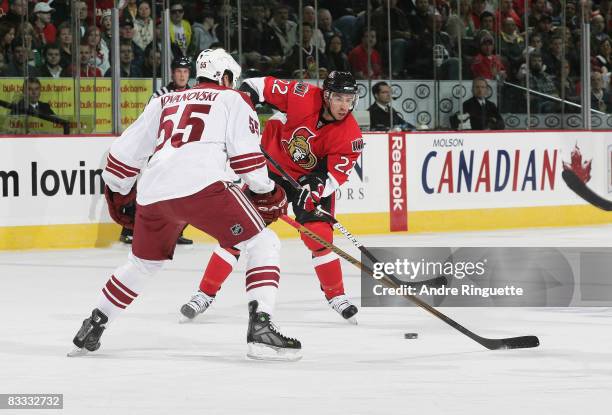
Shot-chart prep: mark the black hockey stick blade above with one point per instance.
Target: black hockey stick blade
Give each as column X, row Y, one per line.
column 582, row 190
column 522, row 342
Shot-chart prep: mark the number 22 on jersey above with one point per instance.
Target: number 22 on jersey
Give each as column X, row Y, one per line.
column 190, row 123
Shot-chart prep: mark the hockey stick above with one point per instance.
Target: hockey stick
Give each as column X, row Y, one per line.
column 434, row 282
column 521, row 342
column 582, row 190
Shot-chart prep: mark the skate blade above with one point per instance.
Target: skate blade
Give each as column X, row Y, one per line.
column 185, row 320
column 77, row 351
column 352, row 320
column 258, row 351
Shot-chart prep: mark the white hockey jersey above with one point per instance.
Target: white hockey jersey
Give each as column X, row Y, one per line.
column 187, row 137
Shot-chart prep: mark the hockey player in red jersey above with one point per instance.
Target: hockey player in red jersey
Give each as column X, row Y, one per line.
column 316, row 139
column 179, row 147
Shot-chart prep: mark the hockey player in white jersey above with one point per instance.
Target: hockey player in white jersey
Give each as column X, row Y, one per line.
column 180, row 146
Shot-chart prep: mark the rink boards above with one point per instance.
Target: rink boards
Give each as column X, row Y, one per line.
column 51, row 190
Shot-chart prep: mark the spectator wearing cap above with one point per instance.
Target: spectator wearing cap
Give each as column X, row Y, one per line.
column 42, row 22
column 180, row 29
column 127, row 64
column 106, row 25
column 64, row 35
column 284, row 29
column 538, row 9
column 358, row 58
column 542, row 82
column 126, row 33
column 487, row 64
column 143, row 26
column 51, row 68
column 309, row 16
column 483, row 113
column 30, row 103
column 203, row 32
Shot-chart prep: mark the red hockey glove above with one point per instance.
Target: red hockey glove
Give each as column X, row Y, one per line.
column 121, row 208
column 311, row 193
column 271, row 205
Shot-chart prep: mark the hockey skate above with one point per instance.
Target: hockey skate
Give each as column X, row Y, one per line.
column 198, row 304
column 265, row 342
column 87, row 338
column 344, row 307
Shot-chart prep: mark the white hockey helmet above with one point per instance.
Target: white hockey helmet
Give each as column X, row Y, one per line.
column 212, row 64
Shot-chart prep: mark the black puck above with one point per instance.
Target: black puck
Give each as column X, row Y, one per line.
column 411, row 335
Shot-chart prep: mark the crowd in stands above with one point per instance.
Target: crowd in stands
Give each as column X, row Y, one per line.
column 503, row 40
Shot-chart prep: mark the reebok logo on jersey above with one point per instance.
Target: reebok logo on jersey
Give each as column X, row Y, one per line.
column 300, row 89
column 299, row 149
column 357, row 145
column 236, row 229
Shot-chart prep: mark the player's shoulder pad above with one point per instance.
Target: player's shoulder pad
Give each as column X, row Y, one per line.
column 244, row 96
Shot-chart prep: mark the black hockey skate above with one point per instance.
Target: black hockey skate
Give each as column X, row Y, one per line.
column 87, row 338
column 264, row 340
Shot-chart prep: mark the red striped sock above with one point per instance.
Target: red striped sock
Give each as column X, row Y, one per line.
column 117, row 293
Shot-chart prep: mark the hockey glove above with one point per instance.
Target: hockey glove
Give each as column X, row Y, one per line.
column 312, row 192
column 121, row 208
column 271, row 205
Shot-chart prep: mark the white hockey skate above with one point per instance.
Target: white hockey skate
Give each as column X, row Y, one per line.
column 344, row 307
column 198, row 304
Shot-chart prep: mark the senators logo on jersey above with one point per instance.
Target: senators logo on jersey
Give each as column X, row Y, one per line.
column 299, row 149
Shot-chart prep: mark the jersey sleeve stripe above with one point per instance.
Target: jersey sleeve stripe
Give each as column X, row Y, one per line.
column 245, row 156
column 115, row 172
column 248, row 169
column 125, row 166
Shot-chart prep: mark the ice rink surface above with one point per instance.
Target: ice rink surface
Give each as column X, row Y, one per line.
column 149, row 364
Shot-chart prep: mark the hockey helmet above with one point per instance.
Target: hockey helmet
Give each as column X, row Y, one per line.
column 181, row 62
column 342, row 83
column 212, row 64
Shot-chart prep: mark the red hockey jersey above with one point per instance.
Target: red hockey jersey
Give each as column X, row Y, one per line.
column 302, row 143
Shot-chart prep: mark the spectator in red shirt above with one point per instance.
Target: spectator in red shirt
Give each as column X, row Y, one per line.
column 486, row 64
column 42, row 22
column 87, row 69
column 358, row 58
